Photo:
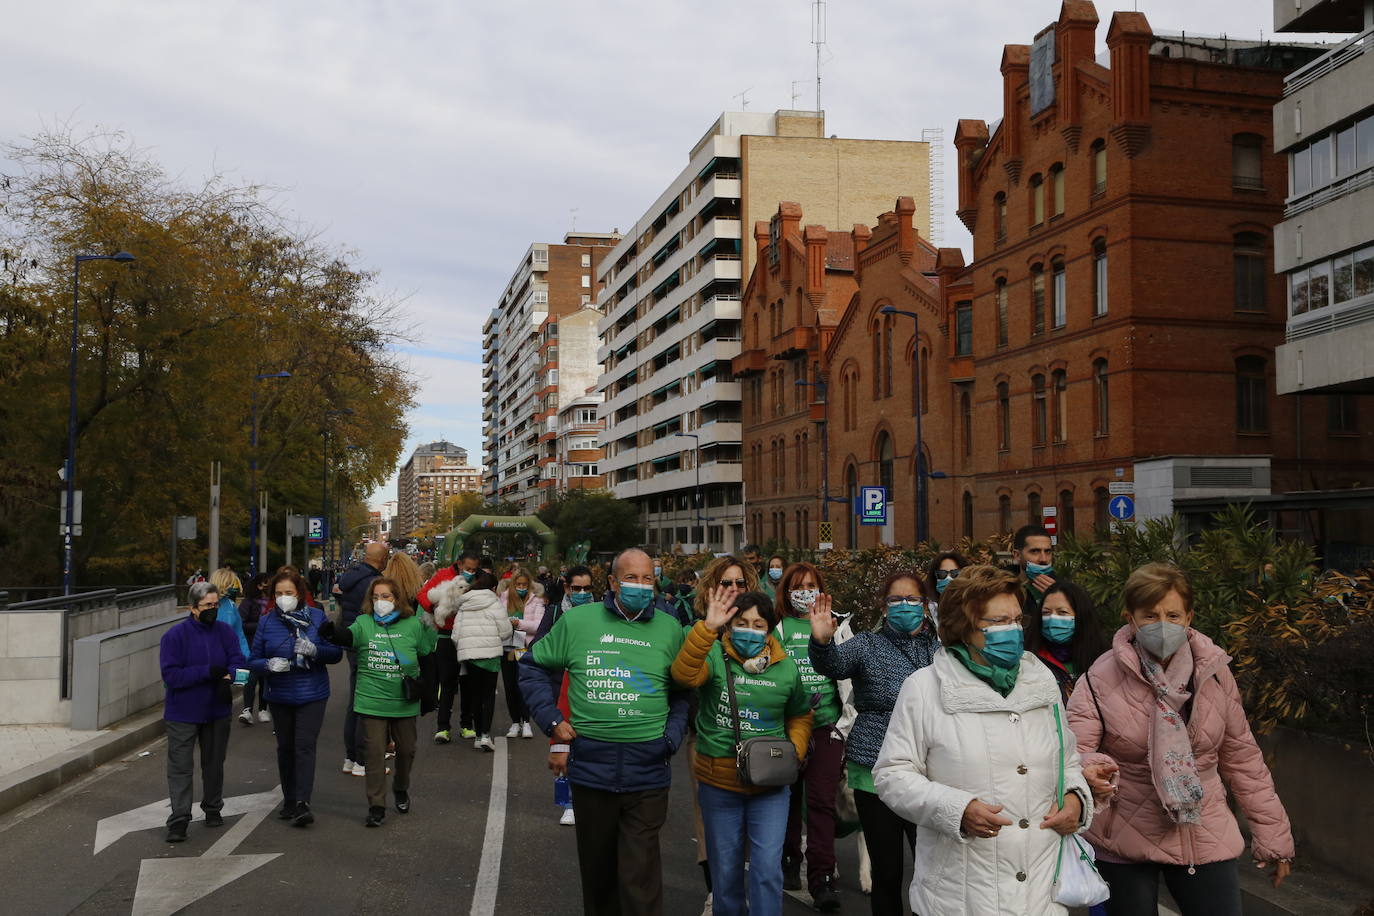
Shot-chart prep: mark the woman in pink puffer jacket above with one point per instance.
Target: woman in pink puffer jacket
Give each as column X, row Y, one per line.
column 1160, row 725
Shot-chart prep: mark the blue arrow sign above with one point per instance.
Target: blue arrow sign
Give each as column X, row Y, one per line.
column 1121, row 508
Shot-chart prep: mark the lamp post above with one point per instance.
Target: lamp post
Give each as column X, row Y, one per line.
column 696, row 495
column 254, row 521
column 922, row 519
column 69, row 469
column 326, row 551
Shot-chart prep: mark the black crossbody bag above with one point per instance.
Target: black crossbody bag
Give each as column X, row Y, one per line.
column 410, row 686
column 760, row 762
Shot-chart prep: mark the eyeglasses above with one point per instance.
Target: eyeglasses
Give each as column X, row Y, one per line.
column 737, row 583
column 1018, row 620
column 578, row 589
column 943, row 574
column 207, row 607
column 895, row 600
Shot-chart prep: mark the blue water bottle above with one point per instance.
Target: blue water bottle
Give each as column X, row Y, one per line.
column 562, row 792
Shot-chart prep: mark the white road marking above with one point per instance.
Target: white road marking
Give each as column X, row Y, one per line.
column 489, row 872
column 154, row 814
column 80, row 784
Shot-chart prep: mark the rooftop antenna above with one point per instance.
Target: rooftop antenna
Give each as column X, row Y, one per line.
column 795, row 94
column 818, row 39
column 743, row 98
column 572, row 211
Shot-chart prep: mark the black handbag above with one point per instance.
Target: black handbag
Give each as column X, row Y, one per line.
column 410, row 685
column 760, row 762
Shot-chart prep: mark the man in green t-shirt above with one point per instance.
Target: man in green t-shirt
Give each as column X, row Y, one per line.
column 625, row 724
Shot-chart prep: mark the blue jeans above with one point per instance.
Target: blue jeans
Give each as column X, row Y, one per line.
column 732, row 820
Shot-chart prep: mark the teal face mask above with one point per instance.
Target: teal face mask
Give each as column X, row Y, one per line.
column 1035, row 569
column 1002, row 646
column 522, row 592
column 905, row 618
column 1058, row 630
column 747, row 642
column 469, row 575
column 941, row 585
column 635, row 598
column 579, row 598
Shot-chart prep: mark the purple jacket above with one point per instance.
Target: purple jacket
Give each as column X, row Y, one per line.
column 188, row 651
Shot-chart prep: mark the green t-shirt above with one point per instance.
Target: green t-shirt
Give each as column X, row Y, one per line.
column 796, row 640
column 385, row 654
column 618, row 671
column 766, row 702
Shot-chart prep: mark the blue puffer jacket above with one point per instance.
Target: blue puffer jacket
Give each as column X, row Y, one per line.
column 229, row 613
column 304, row 683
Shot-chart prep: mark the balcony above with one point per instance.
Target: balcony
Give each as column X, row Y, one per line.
column 749, row 362
column 793, row 342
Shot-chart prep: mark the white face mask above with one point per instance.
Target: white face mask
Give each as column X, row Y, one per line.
column 383, row 607
column 287, row 603
column 803, row 599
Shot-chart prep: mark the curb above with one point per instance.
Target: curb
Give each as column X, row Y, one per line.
column 46, row 775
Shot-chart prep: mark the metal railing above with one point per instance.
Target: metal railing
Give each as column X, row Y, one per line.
column 1337, row 57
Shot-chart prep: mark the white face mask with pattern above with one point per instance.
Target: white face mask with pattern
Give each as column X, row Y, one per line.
column 803, row 599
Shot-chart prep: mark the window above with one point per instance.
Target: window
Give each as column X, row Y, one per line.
column 1001, row 311
column 1345, row 151
column 1034, row 514
column 1099, row 154
column 1066, row 520
column 966, row 422
column 1003, row 418
column 1348, row 276
column 1247, row 255
column 887, row 357
column 1101, row 401
column 1364, row 143
column 1102, row 520
column 1037, row 299
column 999, row 209
column 963, row 329
column 1004, row 514
column 1246, row 161
column 586, row 281
column 924, row 375
column 968, row 515
column 851, row 490
column 1099, row 277
column 1038, row 409
column 877, row 361
column 1057, row 188
column 1059, row 385
column 1252, row 395
column 1340, row 415
column 1060, row 307
column 886, row 457
column 586, row 260
column 1300, row 170
column 541, row 297
column 1321, row 162
column 1037, row 199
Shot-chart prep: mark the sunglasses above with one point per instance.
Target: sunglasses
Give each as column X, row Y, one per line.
column 579, row 589
column 943, row 574
column 737, row 583
column 894, row 600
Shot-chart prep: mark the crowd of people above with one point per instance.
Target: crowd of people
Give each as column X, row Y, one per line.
column 985, row 726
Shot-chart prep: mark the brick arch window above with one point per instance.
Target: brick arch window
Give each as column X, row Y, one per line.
column 1003, row 418
column 968, row 514
column 1101, row 400
column 887, row 356
column 966, row 424
column 877, row 362
column 1037, row 199
column 1039, row 410
column 1002, row 317
column 1066, row 518
column 1057, row 189
column 999, row 211
column 920, row 379
column 851, row 490
column 1252, row 395
column 1251, row 271
column 1098, row 150
column 1059, row 394
column 1102, row 519
column 886, row 455
column 1035, row 515
column 1037, row 288
column 1247, row 160
column 1004, row 514
column 1099, row 277
column 1059, row 294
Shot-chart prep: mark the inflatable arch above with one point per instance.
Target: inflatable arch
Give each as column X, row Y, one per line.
column 474, row 524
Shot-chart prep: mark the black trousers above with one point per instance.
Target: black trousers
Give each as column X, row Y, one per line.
column 617, row 850
column 355, row 740
column 298, row 731
column 515, row 700
column 446, row 672
column 884, row 833
column 479, row 697
column 1214, row 889
column 182, row 738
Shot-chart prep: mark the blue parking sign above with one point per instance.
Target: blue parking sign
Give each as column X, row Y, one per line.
column 871, row 506
column 315, row 530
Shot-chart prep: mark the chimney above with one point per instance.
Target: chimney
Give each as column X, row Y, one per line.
column 906, row 232
column 860, row 235
column 1129, row 38
column 970, row 139
column 760, row 242
column 816, row 239
column 1074, row 37
column 1015, row 73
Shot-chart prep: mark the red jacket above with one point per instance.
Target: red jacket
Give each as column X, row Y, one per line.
column 443, row 575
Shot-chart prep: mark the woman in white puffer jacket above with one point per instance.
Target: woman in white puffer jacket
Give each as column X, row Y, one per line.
column 972, row 757
column 481, row 629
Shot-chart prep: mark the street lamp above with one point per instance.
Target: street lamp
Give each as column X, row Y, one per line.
column 69, row 470
column 326, row 551
column 922, row 518
column 253, row 513
column 696, row 496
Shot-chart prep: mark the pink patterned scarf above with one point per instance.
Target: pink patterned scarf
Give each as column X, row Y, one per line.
column 1172, row 767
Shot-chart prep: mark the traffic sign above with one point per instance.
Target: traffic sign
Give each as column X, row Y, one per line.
column 871, row 506
column 1121, row 508
column 1121, row 487
column 1051, row 525
column 316, row 532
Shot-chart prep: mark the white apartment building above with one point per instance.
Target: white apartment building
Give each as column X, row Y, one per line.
column 671, row 303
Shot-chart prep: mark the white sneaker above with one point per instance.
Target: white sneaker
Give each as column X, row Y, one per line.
column 710, row 907
column 567, row 820
column 246, row 717
column 359, row 770
column 264, row 716
column 526, row 731
column 477, row 743
column 486, row 744
column 513, row 731
column 348, row 765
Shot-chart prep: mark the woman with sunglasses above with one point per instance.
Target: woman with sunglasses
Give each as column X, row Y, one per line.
column 944, row 569
column 877, row 662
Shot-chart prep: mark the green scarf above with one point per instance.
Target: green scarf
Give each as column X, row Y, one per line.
column 1000, row 679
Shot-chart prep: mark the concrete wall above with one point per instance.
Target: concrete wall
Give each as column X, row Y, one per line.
column 1340, row 94
column 117, row 674
column 1160, row 481
column 31, row 668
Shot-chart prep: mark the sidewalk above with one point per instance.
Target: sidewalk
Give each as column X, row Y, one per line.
column 40, row 758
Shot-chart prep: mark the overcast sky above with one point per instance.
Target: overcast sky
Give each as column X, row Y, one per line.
column 441, row 138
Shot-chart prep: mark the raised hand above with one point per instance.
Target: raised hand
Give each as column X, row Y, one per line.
column 981, row 820
column 823, row 624
column 719, row 609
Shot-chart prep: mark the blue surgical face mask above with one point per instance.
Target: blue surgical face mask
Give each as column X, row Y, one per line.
column 941, row 585
column 635, row 598
column 578, row 598
column 748, row 642
column 1058, row 630
column 1035, row 569
column 774, row 573
column 905, row 617
column 658, row 571
column 1002, row 646
column 469, row 575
